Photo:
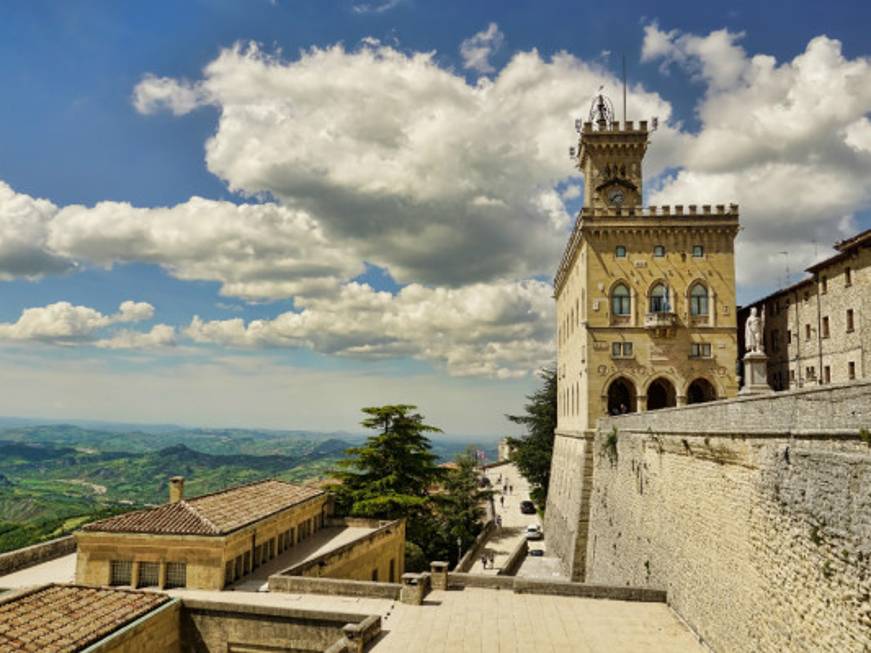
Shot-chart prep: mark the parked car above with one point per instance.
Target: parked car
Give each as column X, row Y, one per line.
column 536, row 553
column 533, row 532
column 527, row 507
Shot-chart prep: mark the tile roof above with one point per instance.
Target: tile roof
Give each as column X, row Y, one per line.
column 66, row 618
column 218, row 513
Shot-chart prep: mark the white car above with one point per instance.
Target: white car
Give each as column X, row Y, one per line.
column 533, row 532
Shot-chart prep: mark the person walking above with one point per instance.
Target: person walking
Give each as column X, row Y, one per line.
column 484, row 560
column 502, row 501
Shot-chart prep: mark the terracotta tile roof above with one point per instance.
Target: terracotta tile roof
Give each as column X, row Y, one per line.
column 66, row 618
column 218, row 513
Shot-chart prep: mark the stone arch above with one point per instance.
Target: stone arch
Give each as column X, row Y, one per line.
column 700, row 390
column 661, row 393
column 621, row 396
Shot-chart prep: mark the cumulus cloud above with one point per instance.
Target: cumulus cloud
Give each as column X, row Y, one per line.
column 787, row 141
column 477, row 50
column 63, row 322
column 160, row 335
column 256, row 251
column 501, row 330
column 24, row 227
column 153, row 94
column 439, row 181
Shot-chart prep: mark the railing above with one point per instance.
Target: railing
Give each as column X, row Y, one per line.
column 660, row 320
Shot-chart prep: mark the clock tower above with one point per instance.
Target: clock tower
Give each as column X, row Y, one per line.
column 645, row 308
column 610, row 159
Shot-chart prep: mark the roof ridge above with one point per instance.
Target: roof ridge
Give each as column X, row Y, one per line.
column 196, row 513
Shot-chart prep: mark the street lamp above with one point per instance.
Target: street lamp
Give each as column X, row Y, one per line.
column 459, row 549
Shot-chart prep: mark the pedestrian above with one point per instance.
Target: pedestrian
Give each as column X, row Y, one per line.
column 484, row 560
column 502, row 501
column 492, row 560
column 499, row 522
column 510, row 489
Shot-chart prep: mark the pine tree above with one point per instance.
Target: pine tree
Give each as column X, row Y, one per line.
column 463, row 500
column 532, row 452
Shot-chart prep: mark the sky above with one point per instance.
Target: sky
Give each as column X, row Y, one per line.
column 273, row 213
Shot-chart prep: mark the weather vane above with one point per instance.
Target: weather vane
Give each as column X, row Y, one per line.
column 601, row 110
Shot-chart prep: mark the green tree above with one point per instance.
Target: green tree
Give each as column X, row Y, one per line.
column 532, row 452
column 461, row 505
column 391, row 474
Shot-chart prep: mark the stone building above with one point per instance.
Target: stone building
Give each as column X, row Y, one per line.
column 206, row 542
column 813, row 329
column 645, row 312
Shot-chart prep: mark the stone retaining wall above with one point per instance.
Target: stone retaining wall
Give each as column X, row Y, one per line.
column 754, row 515
column 333, row 586
column 13, row 561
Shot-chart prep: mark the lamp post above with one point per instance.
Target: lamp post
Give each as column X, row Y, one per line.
column 459, row 549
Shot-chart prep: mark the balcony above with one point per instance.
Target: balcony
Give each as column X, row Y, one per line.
column 662, row 324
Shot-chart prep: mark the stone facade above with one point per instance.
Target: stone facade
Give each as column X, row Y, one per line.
column 814, row 329
column 753, row 514
column 645, row 315
column 207, row 561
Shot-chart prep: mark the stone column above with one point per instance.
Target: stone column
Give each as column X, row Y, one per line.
column 681, row 400
column 439, row 572
column 755, row 374
column 414, row 588
column 134, row 574
column 161, row 575
column 641, row 403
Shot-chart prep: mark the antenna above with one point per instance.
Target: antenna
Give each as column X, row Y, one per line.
column 624, row 87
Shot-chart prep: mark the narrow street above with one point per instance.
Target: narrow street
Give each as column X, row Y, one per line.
column 504, row 540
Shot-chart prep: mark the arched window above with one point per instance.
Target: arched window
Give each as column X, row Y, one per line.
column 659, row 251
column 699, row 300
column 620, row 300
column 659, row 299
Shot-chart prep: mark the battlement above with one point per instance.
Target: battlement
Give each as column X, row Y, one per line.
column 614, row 126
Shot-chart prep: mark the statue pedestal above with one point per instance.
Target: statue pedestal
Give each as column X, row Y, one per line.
column 755, row 374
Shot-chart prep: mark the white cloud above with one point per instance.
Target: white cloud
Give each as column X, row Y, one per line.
column 63, row 322
column 256, row 251
column 153, row 94
column 439, row 181
column 477, row 50
column 787, row 141
column 24, row 225
column 160, row 335
column 375, row 7
column 501, row 330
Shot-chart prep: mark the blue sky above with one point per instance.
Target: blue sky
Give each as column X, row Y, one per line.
column 112, row 102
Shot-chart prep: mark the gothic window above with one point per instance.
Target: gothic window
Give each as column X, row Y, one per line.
column 659, row 251
column 659, row 299
column 698, row 251
column 699, row 300
column 620, row 251
column 620, row 300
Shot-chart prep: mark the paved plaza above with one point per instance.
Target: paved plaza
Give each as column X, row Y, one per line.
column 498, row 621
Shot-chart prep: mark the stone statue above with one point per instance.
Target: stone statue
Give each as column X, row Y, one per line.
column 753, row 332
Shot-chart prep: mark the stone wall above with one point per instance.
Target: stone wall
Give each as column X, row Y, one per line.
column 566, row 515
column 754, row 514
column 209, row 627
column 35, row 554
column 333, row 586
column 159, row 630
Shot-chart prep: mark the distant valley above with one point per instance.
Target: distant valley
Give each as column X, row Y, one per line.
column 55, row 477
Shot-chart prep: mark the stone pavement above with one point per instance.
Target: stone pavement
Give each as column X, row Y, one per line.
column 499, row 621
column 59, row 570
column 514, row 523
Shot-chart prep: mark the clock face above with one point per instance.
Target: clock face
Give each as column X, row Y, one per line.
column 616, row 197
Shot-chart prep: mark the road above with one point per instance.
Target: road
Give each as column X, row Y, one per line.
column 503, row 541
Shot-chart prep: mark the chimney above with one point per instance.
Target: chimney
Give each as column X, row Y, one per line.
column 176, row 489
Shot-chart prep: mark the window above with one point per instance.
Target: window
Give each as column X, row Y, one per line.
column 851, row 370
column 659, row 251
column 698, row 251
column 621, row 350
column 659, row 299
column 775, row 340
column 700, row 350
column 807, row 331
column 374, row 575
column 699, row 300
column 789, row 336
column 620, row 300
column 824, row 284
column 825, row 327
column 792, row 376
column 848, row 277
column 120, row 572
column 806, row 297
column 849, row 320
column 620, row 251
column 810, row 372
column 176, row 574
column 827, row 374
column 149, row 574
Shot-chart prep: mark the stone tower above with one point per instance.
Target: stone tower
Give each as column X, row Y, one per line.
column 645, row 314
